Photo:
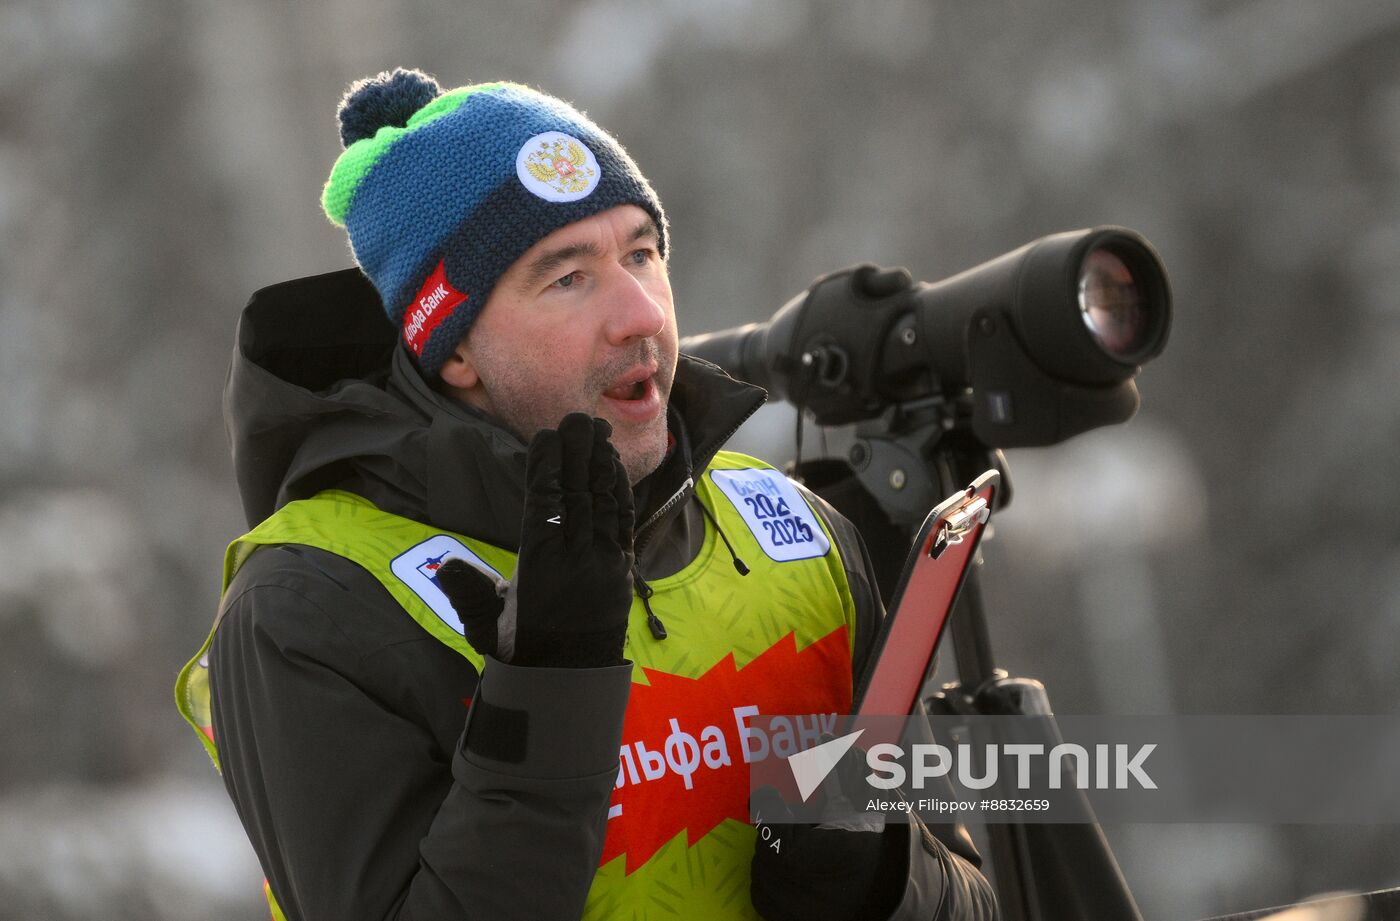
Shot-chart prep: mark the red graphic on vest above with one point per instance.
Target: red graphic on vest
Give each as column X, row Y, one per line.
column 688, row 742
column 429, row 308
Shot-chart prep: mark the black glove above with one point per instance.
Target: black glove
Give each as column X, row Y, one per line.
column 567, row 605
column 836, row 872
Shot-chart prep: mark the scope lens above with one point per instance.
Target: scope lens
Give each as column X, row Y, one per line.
column 1112, row 305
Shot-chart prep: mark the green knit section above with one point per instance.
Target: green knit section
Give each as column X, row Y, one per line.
column 357, row 159
column 708, row 878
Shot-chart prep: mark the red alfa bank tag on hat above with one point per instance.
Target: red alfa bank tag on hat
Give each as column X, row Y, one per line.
column 434, row 302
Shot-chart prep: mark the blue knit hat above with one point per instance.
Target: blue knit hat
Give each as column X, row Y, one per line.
column 441, row 192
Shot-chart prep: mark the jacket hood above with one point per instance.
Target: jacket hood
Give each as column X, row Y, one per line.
column 320, row 395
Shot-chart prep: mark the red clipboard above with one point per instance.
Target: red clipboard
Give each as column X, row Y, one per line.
column 937, row 566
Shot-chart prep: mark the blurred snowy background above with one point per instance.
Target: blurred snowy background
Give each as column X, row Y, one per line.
column 160, row 160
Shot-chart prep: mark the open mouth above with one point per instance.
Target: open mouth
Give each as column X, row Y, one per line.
column 633, row 391
column 634, row 396
column 636, row 384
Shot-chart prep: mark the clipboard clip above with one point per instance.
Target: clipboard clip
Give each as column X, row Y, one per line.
column 958, row 523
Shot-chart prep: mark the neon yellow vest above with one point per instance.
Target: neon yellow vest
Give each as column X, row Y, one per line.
column 777, row 641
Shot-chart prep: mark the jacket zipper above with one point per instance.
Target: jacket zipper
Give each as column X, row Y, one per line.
column 645, row 591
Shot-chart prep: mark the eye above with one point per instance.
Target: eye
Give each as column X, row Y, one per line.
column 642, row 256
column 566, row 281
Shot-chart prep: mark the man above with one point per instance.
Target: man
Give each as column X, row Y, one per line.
column 491, row 649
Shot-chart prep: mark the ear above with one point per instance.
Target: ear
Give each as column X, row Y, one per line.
column 459, row 371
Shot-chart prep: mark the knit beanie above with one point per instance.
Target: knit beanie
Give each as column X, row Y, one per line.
column 440, row 192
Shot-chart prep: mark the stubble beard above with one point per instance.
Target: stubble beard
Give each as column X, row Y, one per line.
column 646, row 449
column 517, row 403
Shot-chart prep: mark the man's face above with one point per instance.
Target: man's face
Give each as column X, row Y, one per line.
column 583, row 321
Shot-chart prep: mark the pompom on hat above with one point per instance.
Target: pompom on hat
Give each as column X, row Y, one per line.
column 440, row 192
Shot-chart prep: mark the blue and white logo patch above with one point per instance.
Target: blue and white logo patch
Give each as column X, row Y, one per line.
column 777, row 515
column 417, row 568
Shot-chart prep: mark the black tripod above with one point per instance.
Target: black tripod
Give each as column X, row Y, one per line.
column 895, row 469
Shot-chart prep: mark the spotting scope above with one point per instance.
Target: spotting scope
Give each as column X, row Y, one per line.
column 1028, row 349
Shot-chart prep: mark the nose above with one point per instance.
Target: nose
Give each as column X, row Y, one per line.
column 635, row 312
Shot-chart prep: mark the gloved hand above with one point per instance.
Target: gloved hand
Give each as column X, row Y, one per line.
column 806, row 872
column 567, row 605
column 829, row 872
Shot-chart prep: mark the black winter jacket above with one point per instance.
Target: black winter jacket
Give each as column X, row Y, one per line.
column 340, row 722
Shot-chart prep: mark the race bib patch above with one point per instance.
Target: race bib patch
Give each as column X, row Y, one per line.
column 557, row 167
column 417, row 568
column 780, row 520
